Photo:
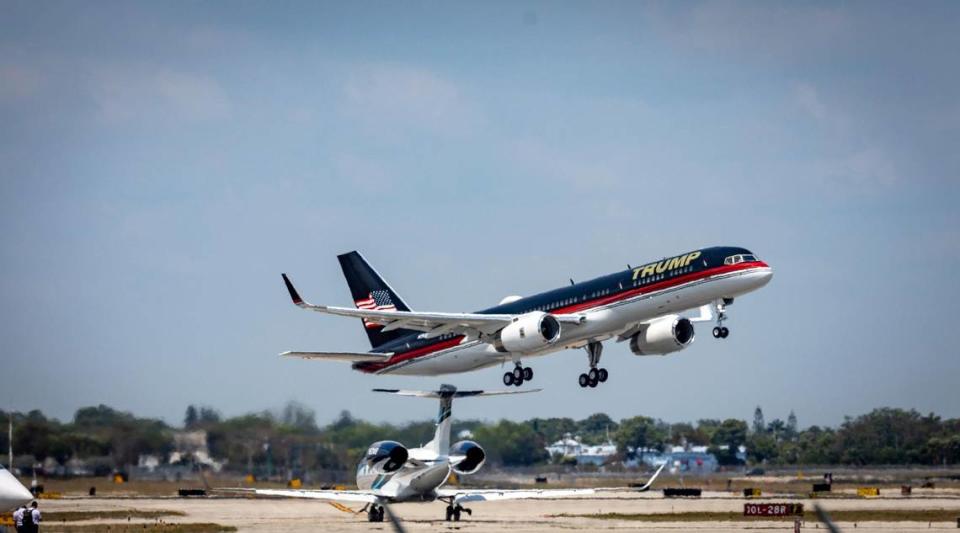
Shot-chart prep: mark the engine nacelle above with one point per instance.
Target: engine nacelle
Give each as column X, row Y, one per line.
column 469, row 457
column 528, row 332
column 385, row 456
column 664, row 335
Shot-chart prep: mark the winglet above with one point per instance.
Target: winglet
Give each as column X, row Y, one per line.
column 652, row 479
column 293, row 292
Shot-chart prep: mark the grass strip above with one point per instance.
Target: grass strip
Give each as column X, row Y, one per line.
column 854, row 515
column 76, row 516
column 131, row 528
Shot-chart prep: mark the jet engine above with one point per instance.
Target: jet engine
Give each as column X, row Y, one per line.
column 667, row 334
column 385, row 456
column 467, row 457
column 528, row 332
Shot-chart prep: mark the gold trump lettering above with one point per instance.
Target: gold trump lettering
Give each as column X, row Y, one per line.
column 680, row 261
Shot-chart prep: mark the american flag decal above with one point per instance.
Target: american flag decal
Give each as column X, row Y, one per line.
column 376, row 301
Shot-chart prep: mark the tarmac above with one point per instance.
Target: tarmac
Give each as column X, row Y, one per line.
column 269, row 515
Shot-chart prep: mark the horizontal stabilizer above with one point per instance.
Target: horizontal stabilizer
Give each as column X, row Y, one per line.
column 340, row 356
column 449, row 391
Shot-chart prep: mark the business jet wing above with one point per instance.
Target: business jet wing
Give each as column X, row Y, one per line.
column 486, row 495
column 434, row 324
column 489, row 495
column 340, row 356
column 352, row 496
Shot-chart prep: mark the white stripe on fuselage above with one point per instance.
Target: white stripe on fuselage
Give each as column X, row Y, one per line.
column 602, row 321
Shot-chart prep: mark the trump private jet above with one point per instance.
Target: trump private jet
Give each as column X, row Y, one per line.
column 645, row 306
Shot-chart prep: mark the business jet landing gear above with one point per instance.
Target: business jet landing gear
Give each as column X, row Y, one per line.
column 375, row 513
column 720, row 331
column 595, row 375
column 453, row 512
column 518, row 376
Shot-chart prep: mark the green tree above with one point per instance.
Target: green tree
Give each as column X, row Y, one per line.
column 727, row 439
column 639, row 433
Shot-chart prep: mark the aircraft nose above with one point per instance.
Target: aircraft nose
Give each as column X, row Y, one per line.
column 765, row 274
column 12, row 493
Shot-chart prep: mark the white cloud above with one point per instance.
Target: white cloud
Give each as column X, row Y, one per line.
column 131, row 93
column 808, row 98
column 364, row 173
column 861, row 170
column 394, row 96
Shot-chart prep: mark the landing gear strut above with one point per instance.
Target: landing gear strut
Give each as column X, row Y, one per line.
column 375, row 513
column 453, row 512
column 518, row 376
column 720, row 331
column 595, row 375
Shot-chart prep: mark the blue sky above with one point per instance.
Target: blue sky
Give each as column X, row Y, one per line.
column 162, row 163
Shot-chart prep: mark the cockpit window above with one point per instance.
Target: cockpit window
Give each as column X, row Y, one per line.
column 739, row 258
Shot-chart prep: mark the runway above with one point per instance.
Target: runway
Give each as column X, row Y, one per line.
column 249, row 515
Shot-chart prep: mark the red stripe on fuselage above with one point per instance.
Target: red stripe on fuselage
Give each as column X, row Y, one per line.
column 581, row 306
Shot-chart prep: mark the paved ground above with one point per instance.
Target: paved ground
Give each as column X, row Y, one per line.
column 518, row 516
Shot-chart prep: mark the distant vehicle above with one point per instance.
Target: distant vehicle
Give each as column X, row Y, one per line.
column 390, row 473
column 641, row 305
column 757, row 471
column 12, row 493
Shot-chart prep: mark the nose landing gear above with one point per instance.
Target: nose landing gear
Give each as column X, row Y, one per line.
column 595, row 375
column 453, row 512
column 720, row 331
column 518, row 376
column 375, row 513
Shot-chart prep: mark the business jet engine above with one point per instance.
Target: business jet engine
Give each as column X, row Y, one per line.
column 467, row 457
column 664, row 335
column 528, row 332
column 385, row 456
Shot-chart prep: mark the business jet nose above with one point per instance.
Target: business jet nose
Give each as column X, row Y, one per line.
column 12, row 493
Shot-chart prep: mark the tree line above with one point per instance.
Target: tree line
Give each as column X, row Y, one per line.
column 290, row 440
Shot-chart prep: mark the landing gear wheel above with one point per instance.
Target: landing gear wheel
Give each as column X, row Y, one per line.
column 584, row 380
column 717, row 332
column 517, row 382
column 380, row 514
column 602, row 375
column 449, row 513
column 527, row 374
column 508, row 379
column 375, row 514
column 594, row 375
column 724, row 332
column 518, row 373
column 456, row 513
column 593, row 382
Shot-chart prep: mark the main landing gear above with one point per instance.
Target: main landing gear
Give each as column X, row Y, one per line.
column 595, row 375
column 375, row 513
column 518, row 376
column 453, row 512
column 721, row 331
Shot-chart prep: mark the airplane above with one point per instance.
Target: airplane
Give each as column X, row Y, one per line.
column 390, row 473
column 640, row 305
column 12, row 493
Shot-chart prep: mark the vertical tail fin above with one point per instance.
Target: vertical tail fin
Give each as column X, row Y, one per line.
column 441, row 436
column 370, row 291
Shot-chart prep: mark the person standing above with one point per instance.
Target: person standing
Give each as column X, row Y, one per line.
column 34, row 518
column 31, row 519
column 18, row 518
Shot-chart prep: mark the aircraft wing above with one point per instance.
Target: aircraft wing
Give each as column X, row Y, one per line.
column 340, row 356
column 434, row 324
column 489, row 495
column 353, row 496
column 486, row 495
